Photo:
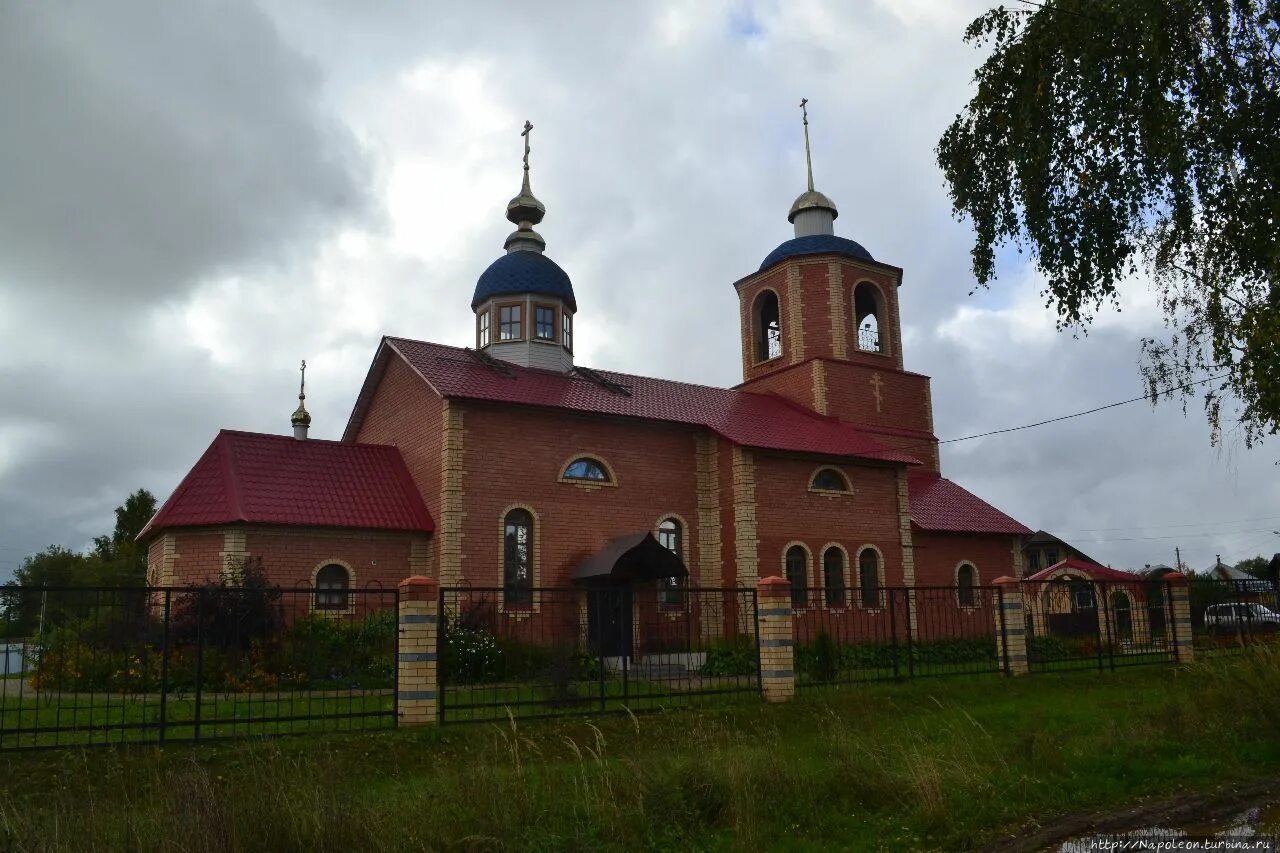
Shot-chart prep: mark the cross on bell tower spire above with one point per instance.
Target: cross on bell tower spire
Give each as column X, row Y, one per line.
column 812, row 212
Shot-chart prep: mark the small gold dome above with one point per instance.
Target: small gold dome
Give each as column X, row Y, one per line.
column 811, row 200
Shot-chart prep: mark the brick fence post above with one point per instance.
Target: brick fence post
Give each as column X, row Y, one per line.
column 1180, row 604
column 1011, row 627
column 417, row 679
column 776, row 644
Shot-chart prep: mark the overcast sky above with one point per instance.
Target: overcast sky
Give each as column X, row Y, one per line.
column 195, row 196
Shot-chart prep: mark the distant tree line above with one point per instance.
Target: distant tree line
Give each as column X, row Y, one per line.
column 114, row 560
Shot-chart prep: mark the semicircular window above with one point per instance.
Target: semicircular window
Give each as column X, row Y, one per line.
column 829, row 480
column 587, row 469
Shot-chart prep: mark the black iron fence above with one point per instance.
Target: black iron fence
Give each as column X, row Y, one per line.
column 1075, row 623
column 592, row 650
column 156, row 664
column 1228, row 615
column 849, row 635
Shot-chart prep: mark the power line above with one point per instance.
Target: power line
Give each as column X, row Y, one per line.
column 1168, row 526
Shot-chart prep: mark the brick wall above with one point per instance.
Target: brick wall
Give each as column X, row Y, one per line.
column 290, row 556
column 938, row 554
column 788, row 513
column 515, row 456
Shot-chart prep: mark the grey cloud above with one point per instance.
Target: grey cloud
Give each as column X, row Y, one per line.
column 147, row 146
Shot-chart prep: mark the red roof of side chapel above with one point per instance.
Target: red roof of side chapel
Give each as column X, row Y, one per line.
column 941, row 505
column 247, row 477
column 764, row 421
column 1093, row 571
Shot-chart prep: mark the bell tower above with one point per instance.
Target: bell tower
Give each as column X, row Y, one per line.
column 820, row 326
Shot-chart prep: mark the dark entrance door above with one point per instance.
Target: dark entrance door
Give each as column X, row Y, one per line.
column 609, row 620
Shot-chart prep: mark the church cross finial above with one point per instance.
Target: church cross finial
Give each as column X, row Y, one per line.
column 528, row 127
column 301, row 419
column 302, row 388
column 808, row 158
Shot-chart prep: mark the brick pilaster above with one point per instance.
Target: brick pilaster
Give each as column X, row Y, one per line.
column 839, row 311
column 777, row 643
column 1011, row 626
column 792, row 310
column 908, row 547
column 451, row 487
column 417, row 679
column 745, row 540
column 1180, row 603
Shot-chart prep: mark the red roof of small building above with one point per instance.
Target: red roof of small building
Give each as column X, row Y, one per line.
column 941, row 505
column 248, row 477
column 765, row 421
column 1093, row 571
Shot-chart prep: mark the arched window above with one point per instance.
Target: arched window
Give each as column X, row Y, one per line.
column 829, row 480
column 833, row 576
column 517, row 559
column 869, row 577
column 482, row 328
column 867, row 313
column 587, row 469
column 766, row 320
column 671, row 537
column 1122, row 607
column 798, row 574
column 332, row 583
column 967, row 585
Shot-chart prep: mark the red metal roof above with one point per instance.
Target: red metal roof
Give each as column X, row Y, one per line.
column 1093, row 571
column 273, row 479
column 939, row 504
column 751, row 420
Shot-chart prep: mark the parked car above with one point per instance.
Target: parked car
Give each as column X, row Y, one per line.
column 1240, row 616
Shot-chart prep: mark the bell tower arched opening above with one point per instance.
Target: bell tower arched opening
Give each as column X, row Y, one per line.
column 766, row 324
column 869, row 317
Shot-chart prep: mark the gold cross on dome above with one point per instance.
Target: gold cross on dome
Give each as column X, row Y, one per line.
column 808, row 158
column 528, row 126
column 876, row 382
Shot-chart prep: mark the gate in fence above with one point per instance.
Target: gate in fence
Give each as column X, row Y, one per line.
column 1074, row 623
column 552, row 651
column 846, row 635
column 157, row 664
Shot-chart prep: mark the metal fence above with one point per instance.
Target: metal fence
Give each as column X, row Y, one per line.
column 1229, row 615
column 157, row 664
column 1076, row 623
column 846, row 635
column 548, row 652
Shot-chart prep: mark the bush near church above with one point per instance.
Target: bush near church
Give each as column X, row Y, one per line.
column 248, row 645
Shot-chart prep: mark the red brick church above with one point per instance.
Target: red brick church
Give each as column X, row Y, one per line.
column 507, row 465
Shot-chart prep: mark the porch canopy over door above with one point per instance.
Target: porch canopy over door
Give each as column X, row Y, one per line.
column 636, row 557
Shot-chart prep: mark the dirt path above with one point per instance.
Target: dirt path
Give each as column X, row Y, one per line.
column 1178, row 810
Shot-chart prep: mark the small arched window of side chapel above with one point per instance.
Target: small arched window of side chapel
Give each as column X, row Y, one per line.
column 967, row 585
column 867, row 314
column 869, row 577
column 797, row 562
column 671, row 537
column 517, row 559
column 332, row 583
column 766, row 320
column 829, row 480
column 833, row 576
column 588, row 469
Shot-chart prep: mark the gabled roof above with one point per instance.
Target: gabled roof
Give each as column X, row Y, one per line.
column 248, row 477
column 1093, row 571
column 751, row 420
column 940, row 505
column 1042, row 537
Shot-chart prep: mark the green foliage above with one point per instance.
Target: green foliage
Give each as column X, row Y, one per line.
column 1257, row 566
column 1113, row 137
column 730, row 657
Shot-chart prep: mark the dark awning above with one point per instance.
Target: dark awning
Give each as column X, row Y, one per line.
column 638, row 556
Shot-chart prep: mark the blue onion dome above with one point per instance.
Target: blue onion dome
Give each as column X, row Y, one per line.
column 816, row 244
column 524, row 272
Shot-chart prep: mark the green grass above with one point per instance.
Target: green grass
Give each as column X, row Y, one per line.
column 934, row 764
column 91, row 719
